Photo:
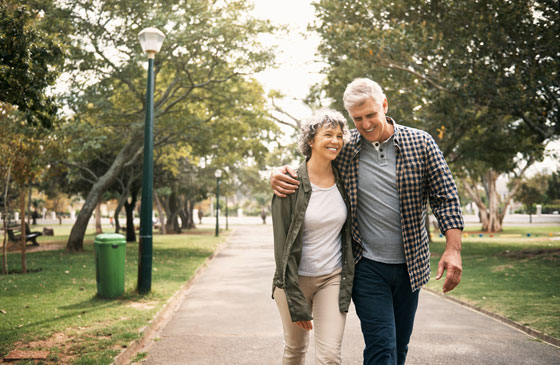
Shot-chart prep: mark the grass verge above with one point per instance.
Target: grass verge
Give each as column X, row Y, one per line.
column 516, row 277
column 55, row 307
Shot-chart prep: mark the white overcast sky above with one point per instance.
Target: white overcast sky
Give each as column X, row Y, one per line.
column 299, row 66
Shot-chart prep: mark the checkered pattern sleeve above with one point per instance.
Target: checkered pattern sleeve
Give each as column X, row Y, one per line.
column 442, row 191
column 348, row 166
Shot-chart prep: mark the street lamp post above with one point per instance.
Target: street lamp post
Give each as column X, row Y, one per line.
column 151, row 40
column 218, row 174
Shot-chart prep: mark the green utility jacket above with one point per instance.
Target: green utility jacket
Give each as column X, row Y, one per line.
column 287, row 219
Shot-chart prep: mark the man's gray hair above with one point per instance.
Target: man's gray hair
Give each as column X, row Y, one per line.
column 322, row 118
column 359, row 90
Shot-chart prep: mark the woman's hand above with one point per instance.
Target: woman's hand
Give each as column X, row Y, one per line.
column 306, row 325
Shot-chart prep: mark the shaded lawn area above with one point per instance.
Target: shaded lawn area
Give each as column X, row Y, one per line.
column 56, row 308
column 518, row 278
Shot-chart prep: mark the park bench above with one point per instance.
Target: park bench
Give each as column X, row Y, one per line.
column 14, row 234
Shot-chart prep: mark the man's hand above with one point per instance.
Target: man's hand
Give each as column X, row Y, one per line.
column 283, row 184
column 306, row 325
column 451, row 260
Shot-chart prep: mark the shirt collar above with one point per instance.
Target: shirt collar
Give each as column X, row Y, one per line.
column 396, row 133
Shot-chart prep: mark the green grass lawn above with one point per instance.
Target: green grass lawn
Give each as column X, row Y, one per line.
column 62, row 231
column 55, row 306
column 516, row 277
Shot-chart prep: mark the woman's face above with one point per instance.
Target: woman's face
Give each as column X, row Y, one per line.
column 327, row 143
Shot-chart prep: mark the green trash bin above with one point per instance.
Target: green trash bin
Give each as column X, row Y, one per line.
column 110, row 252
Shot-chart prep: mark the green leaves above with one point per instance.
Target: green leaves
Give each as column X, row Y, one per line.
column 487, row 70
column 30, row 62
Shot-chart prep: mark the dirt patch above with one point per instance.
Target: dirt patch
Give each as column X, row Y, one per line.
column 501, row 268
column 202, row 233
column 31, row 248
column 58, row 345
column 547, row 253
column 142, row 305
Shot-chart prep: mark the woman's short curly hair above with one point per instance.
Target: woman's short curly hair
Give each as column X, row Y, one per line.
column 321, row 118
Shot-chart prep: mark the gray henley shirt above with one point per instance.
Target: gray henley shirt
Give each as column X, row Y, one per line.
column 378, row 211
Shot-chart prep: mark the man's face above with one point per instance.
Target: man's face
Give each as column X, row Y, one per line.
column 370, row 120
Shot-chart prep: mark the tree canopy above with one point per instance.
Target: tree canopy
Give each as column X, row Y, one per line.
column 30, row 62
column 481, row 76
column 205, row 100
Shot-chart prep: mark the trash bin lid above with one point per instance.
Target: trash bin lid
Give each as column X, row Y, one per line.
column 109, row 239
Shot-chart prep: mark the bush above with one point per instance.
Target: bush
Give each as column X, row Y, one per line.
column 550, row 208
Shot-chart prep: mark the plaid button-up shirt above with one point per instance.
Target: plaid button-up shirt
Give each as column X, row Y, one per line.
column 421, row 174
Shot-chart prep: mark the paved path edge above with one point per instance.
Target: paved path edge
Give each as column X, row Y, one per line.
column 518, row 326
column 166, row 313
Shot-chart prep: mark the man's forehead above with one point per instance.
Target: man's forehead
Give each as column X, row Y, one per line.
column 366, row 105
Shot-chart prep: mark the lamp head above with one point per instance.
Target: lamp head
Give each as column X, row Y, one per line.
column 218, row 173
column 151, row 40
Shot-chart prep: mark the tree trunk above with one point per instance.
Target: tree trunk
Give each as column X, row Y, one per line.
column 494, row 224
column 29, row 204
column 126, row 155
column 173, row 207
column 117, row 212
column 187, row 221
column 161, row 215
column 23, row 246
column 129, row 208
column 5, row 245
column 190, row 213
column 98, row 228
column 472, row 191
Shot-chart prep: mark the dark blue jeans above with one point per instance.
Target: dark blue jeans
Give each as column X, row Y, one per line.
column 386, row 307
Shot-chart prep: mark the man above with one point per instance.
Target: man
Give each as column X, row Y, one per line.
column 389, row 172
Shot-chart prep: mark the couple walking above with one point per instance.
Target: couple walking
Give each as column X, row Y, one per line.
column 350, row 224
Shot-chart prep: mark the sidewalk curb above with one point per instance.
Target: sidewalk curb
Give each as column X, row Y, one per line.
column 518, row 326
column 166, row 313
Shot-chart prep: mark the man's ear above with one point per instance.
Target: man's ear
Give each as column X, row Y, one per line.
column 385, row 106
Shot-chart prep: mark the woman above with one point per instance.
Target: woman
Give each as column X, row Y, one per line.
column 312, row 284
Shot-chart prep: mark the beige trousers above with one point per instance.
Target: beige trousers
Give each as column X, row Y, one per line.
column 321, row 293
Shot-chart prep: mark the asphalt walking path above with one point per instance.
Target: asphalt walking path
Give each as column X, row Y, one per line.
column 228, row 317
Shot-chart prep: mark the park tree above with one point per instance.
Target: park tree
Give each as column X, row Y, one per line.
column 210, row 50
column 31, row 57
column 553, row 187
column 480, row 76
column 532, row 191
column 21, row 153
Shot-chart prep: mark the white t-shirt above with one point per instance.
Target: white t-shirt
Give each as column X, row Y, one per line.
column 324, row 219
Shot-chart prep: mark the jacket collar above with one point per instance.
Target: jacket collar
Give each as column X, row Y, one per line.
column 304, row 176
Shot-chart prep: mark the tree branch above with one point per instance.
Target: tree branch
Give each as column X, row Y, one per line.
column 76, row 166
column 415, row 73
